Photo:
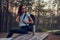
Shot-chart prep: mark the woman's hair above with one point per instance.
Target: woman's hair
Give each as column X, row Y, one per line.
column 19, row 9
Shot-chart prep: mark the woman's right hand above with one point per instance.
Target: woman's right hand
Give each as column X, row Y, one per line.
column 17, row 19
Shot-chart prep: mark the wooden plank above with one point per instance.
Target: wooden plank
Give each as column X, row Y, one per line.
column 25, row 37
column 20, row 37
column 33, row 38
column 38, row 36
column 41, row 37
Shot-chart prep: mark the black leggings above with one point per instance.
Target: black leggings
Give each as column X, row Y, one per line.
column 22, row 30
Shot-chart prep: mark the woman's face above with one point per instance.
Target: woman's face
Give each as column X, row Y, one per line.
column 24, row 9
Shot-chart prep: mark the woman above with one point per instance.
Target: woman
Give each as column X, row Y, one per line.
column 23, row 22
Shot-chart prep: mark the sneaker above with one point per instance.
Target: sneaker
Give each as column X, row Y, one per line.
column 6, row 38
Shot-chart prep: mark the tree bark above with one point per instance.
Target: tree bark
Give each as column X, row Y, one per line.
column 0, row 17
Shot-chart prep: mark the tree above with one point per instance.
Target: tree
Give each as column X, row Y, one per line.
column 39, row 9
column 0, row 16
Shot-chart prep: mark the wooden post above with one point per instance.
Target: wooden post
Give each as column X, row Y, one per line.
column 33, row 29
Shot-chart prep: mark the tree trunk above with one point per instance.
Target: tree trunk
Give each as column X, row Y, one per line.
column 0, row 16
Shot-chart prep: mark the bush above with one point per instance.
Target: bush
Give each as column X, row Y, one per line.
column 56, row 33
column 41, row 29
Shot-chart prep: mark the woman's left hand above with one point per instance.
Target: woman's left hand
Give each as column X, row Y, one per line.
column 24, row 21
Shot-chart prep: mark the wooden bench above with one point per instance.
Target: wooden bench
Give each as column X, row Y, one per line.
column 29, row 36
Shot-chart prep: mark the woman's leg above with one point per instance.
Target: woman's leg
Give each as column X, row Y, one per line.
column 11, row 33
column 21, row 31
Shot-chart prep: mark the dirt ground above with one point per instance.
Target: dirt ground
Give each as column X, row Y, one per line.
column 52, row 37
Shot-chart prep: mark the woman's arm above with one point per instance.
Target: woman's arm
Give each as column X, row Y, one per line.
column 17, row 19
column 30, row 20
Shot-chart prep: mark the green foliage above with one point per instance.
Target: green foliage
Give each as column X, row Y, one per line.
column 55, row 32
column 40, row 8
column 41, row 29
